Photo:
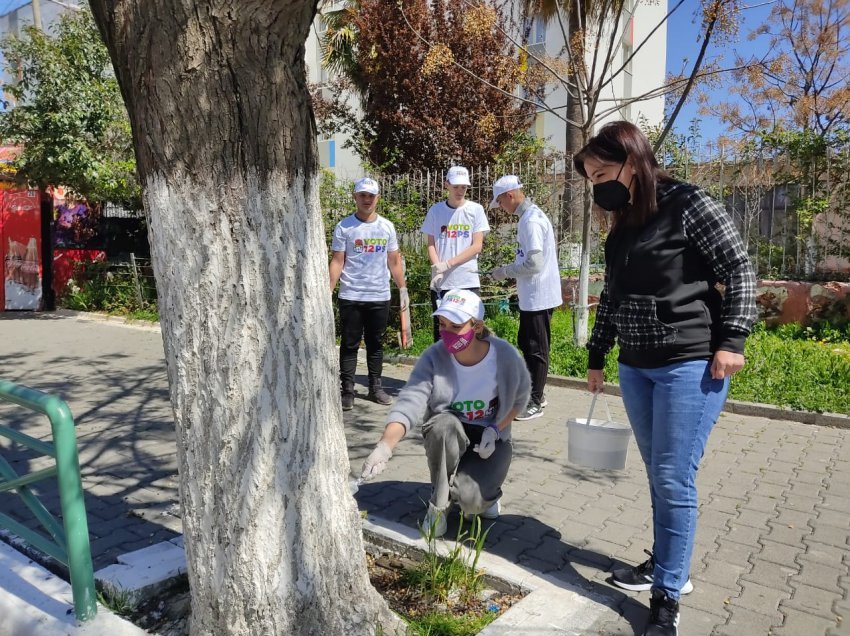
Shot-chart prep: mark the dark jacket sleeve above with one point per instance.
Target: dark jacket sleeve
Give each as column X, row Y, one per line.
column 604, row 330
column 711, row 231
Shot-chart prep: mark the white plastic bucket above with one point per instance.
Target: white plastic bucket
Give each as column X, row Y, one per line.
column 600, row 444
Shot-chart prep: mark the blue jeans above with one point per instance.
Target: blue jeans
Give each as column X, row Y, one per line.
column 672, row 410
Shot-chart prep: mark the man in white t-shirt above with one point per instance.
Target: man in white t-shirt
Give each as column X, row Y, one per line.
column 455, row 229
column 538, row 284
column 365, row 254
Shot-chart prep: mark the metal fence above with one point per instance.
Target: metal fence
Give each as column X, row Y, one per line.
column 793, row 214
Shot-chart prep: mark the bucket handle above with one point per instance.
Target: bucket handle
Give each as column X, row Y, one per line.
column 593, row 404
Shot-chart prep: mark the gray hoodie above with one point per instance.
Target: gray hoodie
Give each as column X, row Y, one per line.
column 430, row 388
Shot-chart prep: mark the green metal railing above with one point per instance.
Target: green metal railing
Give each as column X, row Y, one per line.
column 70, row 539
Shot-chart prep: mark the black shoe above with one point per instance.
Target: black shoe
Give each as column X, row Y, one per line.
column 377, row 394
column 531, row 412
column 663, row 615
column 639, row 578
column 347, row 401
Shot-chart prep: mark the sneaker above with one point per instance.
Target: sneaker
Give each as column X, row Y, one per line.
column 377, row 394
column 531, row 411
column 434, row 524
column 493, row 511
column 544, row 402
column 639, row 578
column 347, row 401
column 663, row 615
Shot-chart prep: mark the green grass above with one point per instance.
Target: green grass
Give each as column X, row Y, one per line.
column 804, row 368
column 437, row 624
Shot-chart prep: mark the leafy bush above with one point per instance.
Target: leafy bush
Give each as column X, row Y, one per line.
column 102, row 286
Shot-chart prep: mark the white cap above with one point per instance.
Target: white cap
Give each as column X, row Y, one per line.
column 504, row 184
column 459, row 305
column 366, row 185
column 458, row 175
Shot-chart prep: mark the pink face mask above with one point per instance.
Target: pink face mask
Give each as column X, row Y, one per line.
column 456, row 342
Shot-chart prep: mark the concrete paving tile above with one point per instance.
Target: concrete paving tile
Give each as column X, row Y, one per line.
column 829, row 535
column 711, row 598
column 760, row 598
column 618, row 534
column 787, row 533
column 828, row 555
column 797, row 623
column 743, row 622
column 810, row 600
column 714, row 519
column 721, row 574
column 696, row 622
column 819, row 575
column 754, row 518
column 719, row 503
column 766, row 505
column 778, row 552
column 771, row 574
column 746, row 535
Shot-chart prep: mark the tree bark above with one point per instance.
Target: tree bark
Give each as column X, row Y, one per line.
column 225, row 142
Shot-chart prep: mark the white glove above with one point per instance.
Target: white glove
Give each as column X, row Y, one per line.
column 376, row 462
column 499, row 273
column 437, row 282
column 488, row 442
column 440, row 268
column 403, row 298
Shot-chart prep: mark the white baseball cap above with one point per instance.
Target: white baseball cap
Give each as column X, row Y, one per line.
column 458, row 175
column 459, row 305
column 504, row 184
column 366, row 185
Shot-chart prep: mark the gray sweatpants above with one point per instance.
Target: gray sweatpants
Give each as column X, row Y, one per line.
column 458, row 474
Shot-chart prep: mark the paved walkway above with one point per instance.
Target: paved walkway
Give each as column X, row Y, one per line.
column 771, row 554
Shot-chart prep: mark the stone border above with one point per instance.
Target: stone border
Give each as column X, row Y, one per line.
column 546, row 610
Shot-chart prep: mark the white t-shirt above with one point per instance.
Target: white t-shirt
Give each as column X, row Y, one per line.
column 543, row 290
column 452, row 229
column 365, row 275
column 476, row 398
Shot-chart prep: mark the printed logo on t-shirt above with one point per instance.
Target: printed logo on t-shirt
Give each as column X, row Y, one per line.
column 520, row 252
column 456, row 230
column 472, row 410
column 370, row 245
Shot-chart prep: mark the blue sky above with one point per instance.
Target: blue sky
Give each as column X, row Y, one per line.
column 683, row 31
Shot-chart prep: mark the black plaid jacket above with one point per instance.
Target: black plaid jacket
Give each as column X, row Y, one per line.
column 659, row 299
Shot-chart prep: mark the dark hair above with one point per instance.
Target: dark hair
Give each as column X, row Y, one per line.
column 616, row 142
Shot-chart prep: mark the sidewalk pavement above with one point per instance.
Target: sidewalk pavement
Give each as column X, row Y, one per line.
column 771, row 554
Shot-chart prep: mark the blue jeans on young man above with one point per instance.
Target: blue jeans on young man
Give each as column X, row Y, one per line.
column 672, row 410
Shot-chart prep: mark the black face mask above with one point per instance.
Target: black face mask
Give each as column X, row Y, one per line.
column 612, row 195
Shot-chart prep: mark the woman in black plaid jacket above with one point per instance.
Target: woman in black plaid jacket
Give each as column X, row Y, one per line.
column 670, row 247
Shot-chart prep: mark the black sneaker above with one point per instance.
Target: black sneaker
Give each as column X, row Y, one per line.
column 663, row 615
column 531, row 411
column 377, row 394
column 639, row 578
column 347, row 401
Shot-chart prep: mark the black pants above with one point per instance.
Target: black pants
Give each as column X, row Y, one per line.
column 366, row 320
column 533, row 340
column 435, row 297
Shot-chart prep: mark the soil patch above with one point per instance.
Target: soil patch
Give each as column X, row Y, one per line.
column 168, row 613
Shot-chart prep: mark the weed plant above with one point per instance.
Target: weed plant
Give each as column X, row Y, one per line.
column 457, row 572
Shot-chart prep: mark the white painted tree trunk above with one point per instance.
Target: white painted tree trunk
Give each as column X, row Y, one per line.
column 272, row 535
column 225, row 144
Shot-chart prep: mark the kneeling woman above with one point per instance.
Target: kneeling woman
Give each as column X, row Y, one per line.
column 465, row 391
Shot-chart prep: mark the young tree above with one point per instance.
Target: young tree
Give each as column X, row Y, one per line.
column 67, row 114
column 225, row 143
column 803, row 83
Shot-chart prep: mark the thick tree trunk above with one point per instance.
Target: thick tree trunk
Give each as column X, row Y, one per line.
column 225, row 142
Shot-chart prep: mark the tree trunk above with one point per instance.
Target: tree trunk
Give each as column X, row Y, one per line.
column 225, row 142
